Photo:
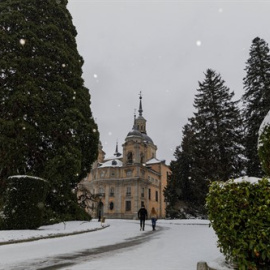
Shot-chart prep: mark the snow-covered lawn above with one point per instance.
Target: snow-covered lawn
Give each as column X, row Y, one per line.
column 176, row 245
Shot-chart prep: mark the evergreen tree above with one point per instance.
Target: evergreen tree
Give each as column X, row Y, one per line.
column 256, row 101
column 180, row 187
column 218, row 131
column 212, row 147
column 47, row 128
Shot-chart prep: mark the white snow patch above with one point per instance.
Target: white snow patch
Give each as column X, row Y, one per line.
column 26, row 176
column 251, row 180
column 182, row 243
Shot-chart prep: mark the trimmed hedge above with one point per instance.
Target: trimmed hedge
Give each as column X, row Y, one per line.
column 24, row 202
column 239, row 212
column 264, row 149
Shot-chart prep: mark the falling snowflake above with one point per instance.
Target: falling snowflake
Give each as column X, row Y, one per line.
column 109, row 133
column 22, row 41
column 198, row 43
column 40, row 205
column 95, row 76
column 220, row 10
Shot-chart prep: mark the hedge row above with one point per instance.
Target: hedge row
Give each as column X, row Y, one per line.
column 239, row 213
column 24, row 202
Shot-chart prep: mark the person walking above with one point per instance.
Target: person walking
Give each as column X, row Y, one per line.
column 142, row 215
column 154, row 217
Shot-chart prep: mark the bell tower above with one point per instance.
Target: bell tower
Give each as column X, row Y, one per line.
column 138, row 147
column 140, row 122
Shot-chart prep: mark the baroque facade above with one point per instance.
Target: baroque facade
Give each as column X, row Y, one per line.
column 122, row 183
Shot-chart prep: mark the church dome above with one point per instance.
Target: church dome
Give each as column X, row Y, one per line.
column 134, row 133
column 147, row 139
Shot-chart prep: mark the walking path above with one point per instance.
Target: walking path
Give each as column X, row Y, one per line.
column 176, row 245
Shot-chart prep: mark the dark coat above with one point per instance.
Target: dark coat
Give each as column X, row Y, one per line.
column 142, row 214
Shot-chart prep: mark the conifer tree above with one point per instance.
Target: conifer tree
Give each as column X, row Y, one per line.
column 180, row 186
column 256, row 101
column 47, row 128
column 212, row 147
column 218, row 130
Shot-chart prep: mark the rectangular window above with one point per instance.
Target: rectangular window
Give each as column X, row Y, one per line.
column 142, row 194
column 128, row 191
column 156, row 196
column 149, row 193
column 128, row 206
column 111, row 192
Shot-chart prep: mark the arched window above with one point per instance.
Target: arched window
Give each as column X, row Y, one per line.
column 111, row 205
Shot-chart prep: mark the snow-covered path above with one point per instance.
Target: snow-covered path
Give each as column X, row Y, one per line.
column 176, row 245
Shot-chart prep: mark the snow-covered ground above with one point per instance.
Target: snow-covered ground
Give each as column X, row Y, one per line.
column 176, row 245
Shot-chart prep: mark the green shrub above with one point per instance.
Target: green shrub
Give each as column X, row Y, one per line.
column 24, row 202
column 70, row 212
column 264, row 149
column 239, row 213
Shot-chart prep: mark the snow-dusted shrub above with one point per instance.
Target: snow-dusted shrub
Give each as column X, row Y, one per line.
column 264, row 148
column 24, row 202
column 239, row 212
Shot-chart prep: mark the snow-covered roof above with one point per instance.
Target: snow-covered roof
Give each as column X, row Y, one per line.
column 113, row 157
column 111, row 163
column 153, row 161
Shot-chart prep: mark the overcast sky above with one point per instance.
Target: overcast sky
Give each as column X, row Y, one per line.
column 161, row 48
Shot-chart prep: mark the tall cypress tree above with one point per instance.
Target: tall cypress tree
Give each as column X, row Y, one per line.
column 256, row 100
column 47, row 128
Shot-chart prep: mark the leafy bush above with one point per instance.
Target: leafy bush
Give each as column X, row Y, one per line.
column 264, row 149
column 67, row 210
column 239, row 212
column 24, row 202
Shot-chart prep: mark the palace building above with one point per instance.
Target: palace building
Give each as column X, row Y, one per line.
column 121, row 184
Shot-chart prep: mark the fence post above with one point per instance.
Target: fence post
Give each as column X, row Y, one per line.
column 202, row 266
